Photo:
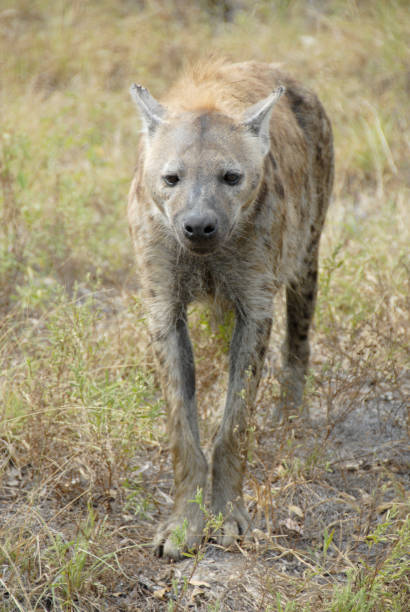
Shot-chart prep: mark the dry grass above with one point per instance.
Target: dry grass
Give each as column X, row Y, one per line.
column 84, row 470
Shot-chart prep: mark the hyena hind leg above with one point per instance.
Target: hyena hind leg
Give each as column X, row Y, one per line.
column 300, row 306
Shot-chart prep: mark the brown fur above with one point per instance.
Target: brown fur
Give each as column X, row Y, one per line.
column 254, row 236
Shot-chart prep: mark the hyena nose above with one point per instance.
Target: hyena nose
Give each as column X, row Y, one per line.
column 200, row 226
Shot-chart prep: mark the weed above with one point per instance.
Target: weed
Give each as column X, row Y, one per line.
column 82, row 473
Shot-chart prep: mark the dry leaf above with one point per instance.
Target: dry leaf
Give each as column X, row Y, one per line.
column 352, row 466
column 13, row 482
column 292, row 526
column 160, row 593
column 199, row 583
column 197, row 592
column 258, row 534
column 280, row 470
column 383, row 507
column 296, row 510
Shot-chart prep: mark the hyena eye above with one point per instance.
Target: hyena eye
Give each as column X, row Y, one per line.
column 232, row 178
column 171, row 179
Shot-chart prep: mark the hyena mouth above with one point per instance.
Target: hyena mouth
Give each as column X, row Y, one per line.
column 201, row 249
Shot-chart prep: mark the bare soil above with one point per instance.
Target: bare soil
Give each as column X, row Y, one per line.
column 337, row 476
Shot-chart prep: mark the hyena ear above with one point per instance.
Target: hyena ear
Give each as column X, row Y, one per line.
column 151, row 111
column 257, row 118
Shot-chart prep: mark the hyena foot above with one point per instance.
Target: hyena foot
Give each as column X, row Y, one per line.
column 182, row 532
column 291, row 404
column 236, row 521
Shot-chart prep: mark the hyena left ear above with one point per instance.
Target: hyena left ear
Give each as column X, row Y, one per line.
column 152, row 112
column 257, row 118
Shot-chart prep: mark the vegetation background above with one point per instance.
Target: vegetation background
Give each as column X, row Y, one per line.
column 84, row 471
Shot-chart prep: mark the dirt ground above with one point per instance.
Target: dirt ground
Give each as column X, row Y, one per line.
column 367, row 457
column 316, row 494
column 85, row 474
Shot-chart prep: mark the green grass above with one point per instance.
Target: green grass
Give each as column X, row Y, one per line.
column 83, row 461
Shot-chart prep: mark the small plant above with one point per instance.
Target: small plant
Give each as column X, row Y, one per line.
column 385, row 586
column 212, row 524
column 79, row 405
column 137, row 500
column 290, row 606
column 78, row 562
column 327, row 540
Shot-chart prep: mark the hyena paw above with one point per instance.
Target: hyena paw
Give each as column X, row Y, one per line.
column 178, row 535
column 235, row 525
column 291, row 404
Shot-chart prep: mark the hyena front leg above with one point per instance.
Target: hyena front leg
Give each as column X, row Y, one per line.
column 247, row 353
column 300, row 307
column 176, row 362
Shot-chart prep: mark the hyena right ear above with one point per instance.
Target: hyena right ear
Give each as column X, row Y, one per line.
column 151, row 111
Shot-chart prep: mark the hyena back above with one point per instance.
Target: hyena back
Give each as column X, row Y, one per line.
column 228, row 201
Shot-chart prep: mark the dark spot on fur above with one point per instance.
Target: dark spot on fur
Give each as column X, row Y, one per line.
column 312, row 274
column 296, row 104
column 260, row 200
column 186, row 359
column 309, row 296
column 261, row 352
column 303, row 337
column 319, row 155
column 307, row 311
column 272, row 160
column 278, row 186
column 291, row 325
column 157, row 337
column 161, row 360
column 263, row 332
column 209, row 283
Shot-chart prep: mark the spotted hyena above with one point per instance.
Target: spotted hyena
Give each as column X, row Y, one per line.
column 228, row 201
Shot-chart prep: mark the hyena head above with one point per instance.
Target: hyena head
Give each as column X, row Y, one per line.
column 202, row 169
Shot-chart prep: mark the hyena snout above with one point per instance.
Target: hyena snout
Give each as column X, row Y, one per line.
column 200, row 229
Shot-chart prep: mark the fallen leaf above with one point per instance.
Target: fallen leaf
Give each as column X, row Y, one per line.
column 383, row 507
column 296, row 510
column 13, row 482
column 292, row 526
column 196, row 593
column 259, row 534
column 352, row 466
column 160, row 593
column 199, row 583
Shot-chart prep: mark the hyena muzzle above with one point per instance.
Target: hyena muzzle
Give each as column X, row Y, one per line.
column 234, row 175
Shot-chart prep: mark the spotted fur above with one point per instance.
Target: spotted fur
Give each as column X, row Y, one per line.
column 260, row 233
